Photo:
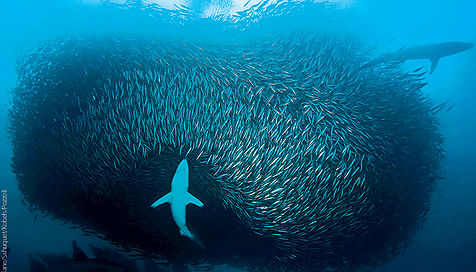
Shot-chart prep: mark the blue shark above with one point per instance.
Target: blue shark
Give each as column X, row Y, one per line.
column 432, row 52
column 80, row 262
column 179, row 198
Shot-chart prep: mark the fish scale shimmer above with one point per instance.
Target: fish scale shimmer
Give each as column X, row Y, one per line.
column 290, row 140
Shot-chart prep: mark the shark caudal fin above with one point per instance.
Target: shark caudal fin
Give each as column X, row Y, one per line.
column 186, row 232
column 162, row 200
column 434, row 62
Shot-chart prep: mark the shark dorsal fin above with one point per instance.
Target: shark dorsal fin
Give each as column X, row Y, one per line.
column 78, row 253
column 434, row 62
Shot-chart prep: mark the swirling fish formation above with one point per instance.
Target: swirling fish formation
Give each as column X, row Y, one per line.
column 303, row 158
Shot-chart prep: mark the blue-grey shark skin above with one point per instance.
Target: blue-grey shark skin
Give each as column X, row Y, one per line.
column 179, row 198
column 113, row 262
column 432, row 52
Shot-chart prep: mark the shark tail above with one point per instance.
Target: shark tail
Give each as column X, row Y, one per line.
column 186, row 232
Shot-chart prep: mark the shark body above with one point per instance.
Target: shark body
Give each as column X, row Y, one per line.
column 179, row 198
column 432, row 52
column 104, row 260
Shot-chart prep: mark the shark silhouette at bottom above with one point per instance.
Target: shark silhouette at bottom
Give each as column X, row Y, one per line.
column 102, row 260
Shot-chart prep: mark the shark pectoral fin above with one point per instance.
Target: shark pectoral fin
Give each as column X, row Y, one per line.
column 193, row 200
column 162, row 200
column 434, row 62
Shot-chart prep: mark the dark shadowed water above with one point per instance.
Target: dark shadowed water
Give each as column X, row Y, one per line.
column 447, row 239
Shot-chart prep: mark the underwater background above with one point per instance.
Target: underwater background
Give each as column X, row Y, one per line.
column 447, row 240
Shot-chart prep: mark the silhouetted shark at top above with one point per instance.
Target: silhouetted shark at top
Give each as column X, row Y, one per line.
column 433, row 52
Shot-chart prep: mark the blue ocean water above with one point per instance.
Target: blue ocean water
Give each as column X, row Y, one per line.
column 447, row 240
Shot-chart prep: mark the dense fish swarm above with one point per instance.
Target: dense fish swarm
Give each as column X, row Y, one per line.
column 304, row 159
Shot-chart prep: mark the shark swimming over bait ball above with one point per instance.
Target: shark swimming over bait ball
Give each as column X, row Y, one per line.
column 432, row 52
column 294, row 154
column 179, row 198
